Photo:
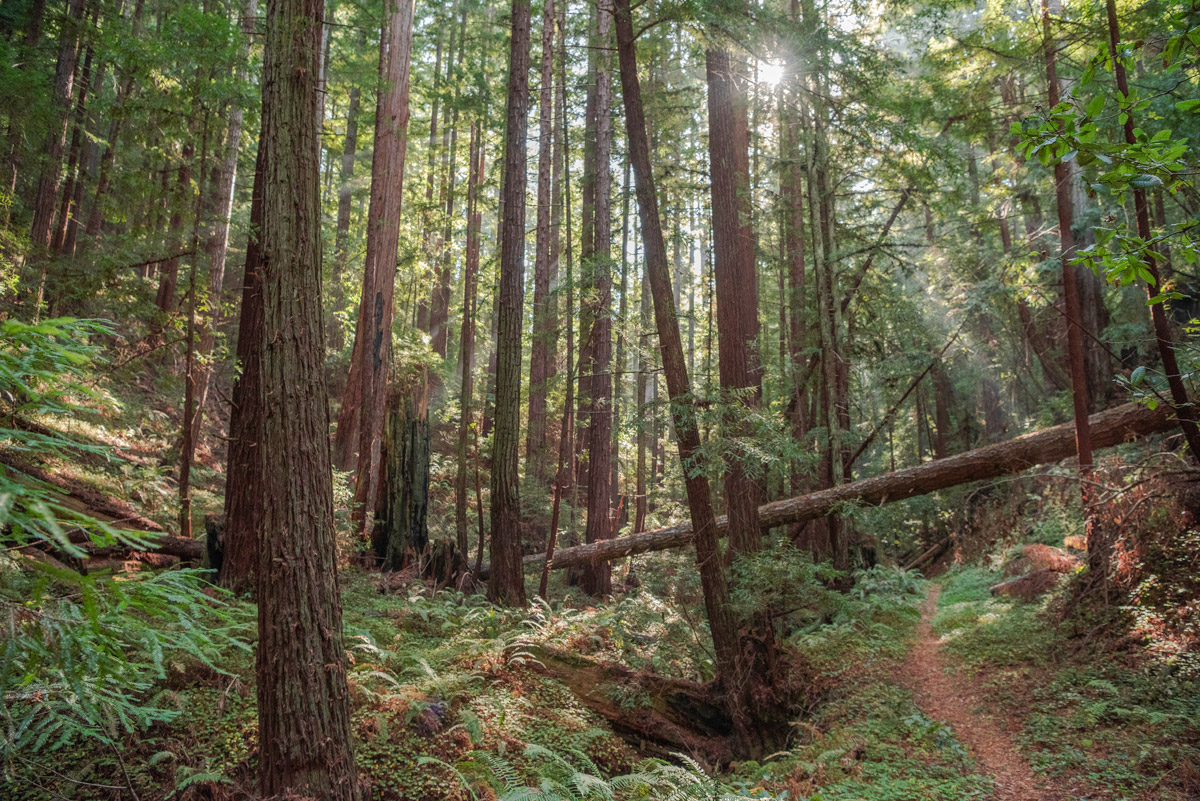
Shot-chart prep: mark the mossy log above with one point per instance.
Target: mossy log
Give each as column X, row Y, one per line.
column 656, row 715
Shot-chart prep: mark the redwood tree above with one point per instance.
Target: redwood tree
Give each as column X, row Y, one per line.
column 506, row 582
column 373, row 336
column 305, row 745
column 597, row 579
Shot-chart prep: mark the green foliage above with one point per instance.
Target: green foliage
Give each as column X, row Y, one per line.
column 82, row 655
column 545, row 775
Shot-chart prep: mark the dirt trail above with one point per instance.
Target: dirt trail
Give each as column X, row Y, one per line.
column 953, row 699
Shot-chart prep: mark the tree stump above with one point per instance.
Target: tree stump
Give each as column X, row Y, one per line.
column 401, row 534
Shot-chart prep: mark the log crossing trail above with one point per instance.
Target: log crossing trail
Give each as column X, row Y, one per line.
column 953, row 699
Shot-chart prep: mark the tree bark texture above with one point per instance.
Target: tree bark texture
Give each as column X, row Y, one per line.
column 304, row 735
column 373, row 337
column 506, row 583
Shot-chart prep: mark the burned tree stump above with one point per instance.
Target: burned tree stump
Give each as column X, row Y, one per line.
column 401, row 534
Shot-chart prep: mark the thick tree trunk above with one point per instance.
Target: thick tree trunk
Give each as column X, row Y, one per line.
column 736, row 284
column 597, row 580
column 373, row 338
column 401, row 509
column 304, row 734
column 1108, row 428
column 506, row 584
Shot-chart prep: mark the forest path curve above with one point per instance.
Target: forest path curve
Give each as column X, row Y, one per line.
column 952, row 699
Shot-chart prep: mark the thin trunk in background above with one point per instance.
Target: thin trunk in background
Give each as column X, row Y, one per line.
column 467, row 339
column 217, row 239
column 537, row 455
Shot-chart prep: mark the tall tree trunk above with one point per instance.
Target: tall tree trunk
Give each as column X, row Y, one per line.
column 598, row 580
column 373, row 339
column 439, row 319
column 565, row 472
column 245, row 464
column 506, row 583
column 618, row 371
column 1083, row 438
column 537, row 454
column 305, row 740
column 467, row 339
column 1158, row 315
column 427, row 237
column 645, row 321
column 736, row 283
column 47, row 191
column 217, row 241
column 792, row 191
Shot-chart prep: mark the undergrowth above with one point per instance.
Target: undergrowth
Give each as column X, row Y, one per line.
column 1123, row 723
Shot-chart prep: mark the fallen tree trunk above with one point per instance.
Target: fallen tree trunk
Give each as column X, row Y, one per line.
column 82, row 498
column 1109, row 428
column 671, row 716
column 928, row 555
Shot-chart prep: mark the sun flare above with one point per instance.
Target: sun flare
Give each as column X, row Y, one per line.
column 770, row 72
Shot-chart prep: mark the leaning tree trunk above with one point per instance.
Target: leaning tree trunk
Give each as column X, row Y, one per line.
column 304, row 733
column 506, row 584
column 1162, row 328
column 244, row 466
column 708, row 555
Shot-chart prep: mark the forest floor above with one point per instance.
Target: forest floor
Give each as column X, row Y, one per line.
column 920, row 691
